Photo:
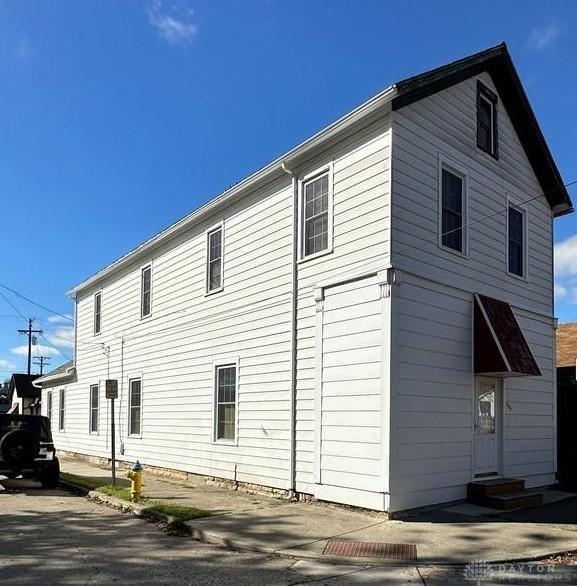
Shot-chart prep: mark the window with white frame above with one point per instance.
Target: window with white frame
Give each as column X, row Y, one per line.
column 315, row 213
column 94, row 405
column 146, row 291
column 516, row 241
column 49, row 406
column 487, row 138
column 97, row 312
column 226, row 396
column 61, row 409
column 214, row 260
column 135, row 406
column 452, row 210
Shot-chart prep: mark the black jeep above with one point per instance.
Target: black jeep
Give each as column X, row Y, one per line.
column 26, row 449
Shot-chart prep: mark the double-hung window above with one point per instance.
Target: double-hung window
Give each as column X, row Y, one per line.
column 97, row 312
column 516, row 241
column 94, row 408
column 214, row 260
column 316, row 215
column 61, row 409
column 452, row 210
column 226, row 396
column 487, row 137
column 134, row 406
column 49, row 406
column 146, row 291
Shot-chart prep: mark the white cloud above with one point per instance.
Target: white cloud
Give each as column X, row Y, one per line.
column 566, row 257
column 560, row 291
column 544, row 37
column 6, row 364
column 60, row 319
column 173, row 23
column 61, row 337
column 39, row 349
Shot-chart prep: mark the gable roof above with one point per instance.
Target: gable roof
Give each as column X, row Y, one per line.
column 567, row 344
column 495, row 60
column 21, row 384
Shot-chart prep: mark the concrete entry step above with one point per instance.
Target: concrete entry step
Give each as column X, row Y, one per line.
column 481, row 489
column 512, row 500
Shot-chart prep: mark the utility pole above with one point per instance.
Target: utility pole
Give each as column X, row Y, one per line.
column 42, row 361
column 29, row 333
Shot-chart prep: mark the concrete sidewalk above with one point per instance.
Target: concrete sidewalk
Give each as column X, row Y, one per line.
column 455, row 534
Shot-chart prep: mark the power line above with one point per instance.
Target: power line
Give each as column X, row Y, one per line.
column 14, row 292
column 12, row 305
column 481, row 219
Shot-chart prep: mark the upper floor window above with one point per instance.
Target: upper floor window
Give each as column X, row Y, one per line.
column 61, row 410
column 487, row 120
column 97, row 312
column 516, row 241
column 316, row 215
column 146, row 291
column 214, row 260
column 94, row 408
column 225, row 412
column 452, row 210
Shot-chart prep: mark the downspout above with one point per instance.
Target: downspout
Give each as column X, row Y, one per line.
column 293, row 348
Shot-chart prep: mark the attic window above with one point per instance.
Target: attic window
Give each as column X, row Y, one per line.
column 487, row 120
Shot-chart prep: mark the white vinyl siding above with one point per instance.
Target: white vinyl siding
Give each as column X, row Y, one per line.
column 146, row 292
column 93, row 408
column 135, row 406
column 97, row 318
column 443, row 126
column 61, row 410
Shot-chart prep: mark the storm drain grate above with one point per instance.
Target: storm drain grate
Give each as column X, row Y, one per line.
column 371, row 549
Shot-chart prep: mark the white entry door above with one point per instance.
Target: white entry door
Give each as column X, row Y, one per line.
column 488, row 405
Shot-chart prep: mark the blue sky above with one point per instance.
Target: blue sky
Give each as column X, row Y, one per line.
column 119, row 116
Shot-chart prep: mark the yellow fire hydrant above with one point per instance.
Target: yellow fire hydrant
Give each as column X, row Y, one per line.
column 135, row 475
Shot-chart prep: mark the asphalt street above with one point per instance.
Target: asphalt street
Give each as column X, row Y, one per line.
column 58, row 538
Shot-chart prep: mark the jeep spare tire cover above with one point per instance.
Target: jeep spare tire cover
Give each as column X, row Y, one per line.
column 19, row 448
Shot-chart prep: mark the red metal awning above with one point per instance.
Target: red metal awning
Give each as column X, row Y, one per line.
column 499, row 346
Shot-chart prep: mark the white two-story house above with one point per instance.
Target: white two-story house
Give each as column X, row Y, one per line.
column 368, row 319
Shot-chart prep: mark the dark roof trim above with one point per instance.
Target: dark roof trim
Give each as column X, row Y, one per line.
column 497, row 62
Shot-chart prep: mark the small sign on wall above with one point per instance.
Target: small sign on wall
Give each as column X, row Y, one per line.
column 111, row 387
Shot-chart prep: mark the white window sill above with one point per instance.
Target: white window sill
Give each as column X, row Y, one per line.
column 145, row 317
column 224, row 442
column 214, row 292
column 314, row 256
column 522, row 278
column 453, row 251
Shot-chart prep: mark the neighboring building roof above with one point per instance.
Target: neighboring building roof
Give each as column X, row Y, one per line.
column 21, row 384
column 64, row 371
column 566, row 344
column 496, row 61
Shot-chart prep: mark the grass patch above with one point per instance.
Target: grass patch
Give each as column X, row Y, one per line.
column 117, row 492
column 179, row 512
